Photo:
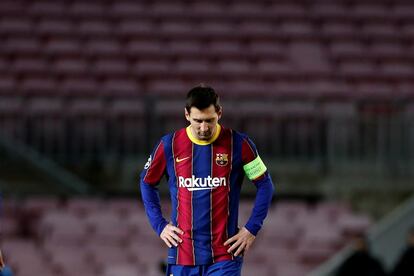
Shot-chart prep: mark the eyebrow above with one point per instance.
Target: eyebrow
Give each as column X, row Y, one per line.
column 206, row 119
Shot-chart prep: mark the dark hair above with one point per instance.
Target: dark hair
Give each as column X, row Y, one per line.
column 202, row 97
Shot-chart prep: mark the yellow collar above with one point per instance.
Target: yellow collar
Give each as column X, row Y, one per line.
column 202, row 142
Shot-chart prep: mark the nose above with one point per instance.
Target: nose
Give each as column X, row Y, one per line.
column 203, row 126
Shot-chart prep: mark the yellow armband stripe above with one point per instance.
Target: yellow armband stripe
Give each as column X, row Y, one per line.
column 255, row 168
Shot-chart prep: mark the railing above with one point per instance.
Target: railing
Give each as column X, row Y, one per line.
column 333, row 135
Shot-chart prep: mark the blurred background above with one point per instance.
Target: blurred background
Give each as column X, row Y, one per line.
column 324, row 88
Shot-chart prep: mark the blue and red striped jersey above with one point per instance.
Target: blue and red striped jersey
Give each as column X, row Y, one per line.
column 204, row 178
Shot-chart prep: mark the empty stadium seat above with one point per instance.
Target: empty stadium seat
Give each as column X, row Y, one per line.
column 122, row 270
column 79, row 86
column 95, row 29
column 16, row 26
column 44, row 85
column 47, row 9
column 120, row 86
column 63, row 47
column 70, row 66
column 55, row 27
column 22, row 46
column 110, row 67
column 103, row 48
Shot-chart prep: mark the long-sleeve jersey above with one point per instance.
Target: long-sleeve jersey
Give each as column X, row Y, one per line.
column 205, row 179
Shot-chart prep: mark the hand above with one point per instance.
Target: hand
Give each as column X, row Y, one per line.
column 242, row 241
column 169, row 235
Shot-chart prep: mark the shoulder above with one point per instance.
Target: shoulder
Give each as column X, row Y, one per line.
column 239, row 135
column 167, row 138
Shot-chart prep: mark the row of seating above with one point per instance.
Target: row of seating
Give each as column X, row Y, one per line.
column 257, row 28
column 203, row 67
column 53, row 50
column 93, row 236
column 81, row 87
column 298, row 9
column 122, row 48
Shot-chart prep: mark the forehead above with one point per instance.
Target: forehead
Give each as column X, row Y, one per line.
column 208, row 112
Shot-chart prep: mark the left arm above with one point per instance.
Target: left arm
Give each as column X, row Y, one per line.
column 243, row 240
column 256, row 171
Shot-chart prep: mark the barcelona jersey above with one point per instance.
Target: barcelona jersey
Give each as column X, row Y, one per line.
column 204, row 179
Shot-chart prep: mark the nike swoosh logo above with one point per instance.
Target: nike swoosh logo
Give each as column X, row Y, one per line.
column 178, row 160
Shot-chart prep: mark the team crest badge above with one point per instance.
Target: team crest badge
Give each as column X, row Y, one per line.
column 222, row 159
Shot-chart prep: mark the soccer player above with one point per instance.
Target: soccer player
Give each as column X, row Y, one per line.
column 205, row 164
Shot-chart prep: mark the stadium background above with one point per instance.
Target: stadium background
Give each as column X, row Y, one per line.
column 324, row 88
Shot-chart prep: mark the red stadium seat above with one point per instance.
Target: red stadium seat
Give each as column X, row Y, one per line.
column 246, row 9
column 176, row 29
column 55, row 27
column 119, row 87
column 63, row 47
column 88, row 10
column 110, row 67
column 70, row 66
column 122, row 269
column 7, row 85
column 167, row 87
column 24, row 258
column 103, row 47
column 61, row 227
column 10, row 8
column 103, row 254
column 351, row 224
column 218, row 29
column 128, row 9
column 144, row 48
column 186, row 48
column 287, row 10
column 84, row 206
column 30, row 66
column 21, row 46
column 380, row 31
column 233, row 67
column 266, row 50
column 209, row 10
column 79, row 86
column 68, row 259
column 225, row 49
column 194, row 67
column 16, row 26
column 330, row 11
column 47, row 9
column 338, row 30
column 174, row 10
column 95, row 29
column 38, row 86
column 132, row 28
column 397, row 70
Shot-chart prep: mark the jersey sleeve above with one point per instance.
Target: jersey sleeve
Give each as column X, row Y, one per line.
column 253, row 166
column 155, row 167
column 153, row 171
column 256, row 171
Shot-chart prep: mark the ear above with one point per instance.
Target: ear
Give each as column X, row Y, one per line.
column 187, row 115
column 220, row 112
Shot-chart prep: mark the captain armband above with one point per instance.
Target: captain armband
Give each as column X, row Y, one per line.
column 255, row 168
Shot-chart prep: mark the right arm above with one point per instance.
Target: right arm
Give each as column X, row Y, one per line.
column 154, row 170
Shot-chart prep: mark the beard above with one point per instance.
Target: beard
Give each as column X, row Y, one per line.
column 204, row 135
